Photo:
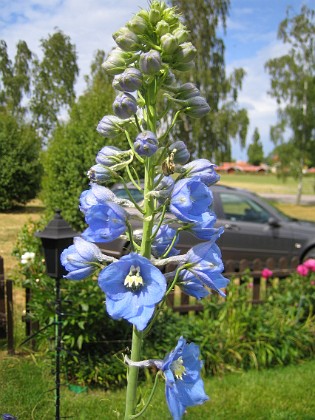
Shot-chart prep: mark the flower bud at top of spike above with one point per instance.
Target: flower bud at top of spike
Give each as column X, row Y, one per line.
column 146, row 143
column 197, row 107
column 99, row 173
column 115, row 62
column 184, row 66
column 181, row 34
column 162, row 28
column 170, row 16
column 170, row 79
column 126, row 40
column 180, row 152
column 187, row 91
column 169, row 43
column 150, row 62
column 109, row 126
column 108, row 155
column 125, row 105
column 154, row 15
column 185, row 53
column 128, row 81
column 137, row 25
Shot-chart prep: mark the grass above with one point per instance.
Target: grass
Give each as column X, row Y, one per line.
column 26, row 386
column 268, row 183
column 10, row 224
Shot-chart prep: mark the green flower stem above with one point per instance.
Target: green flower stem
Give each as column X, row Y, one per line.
column 145, row 250
column 150, row 397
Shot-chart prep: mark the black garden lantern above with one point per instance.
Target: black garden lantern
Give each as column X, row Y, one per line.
column 56, row 236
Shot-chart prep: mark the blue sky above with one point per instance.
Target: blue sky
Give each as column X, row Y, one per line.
column 250, row 39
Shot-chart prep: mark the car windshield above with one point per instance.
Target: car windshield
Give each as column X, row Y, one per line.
column 280, row 214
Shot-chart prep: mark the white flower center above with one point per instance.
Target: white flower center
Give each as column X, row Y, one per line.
column 133, row 280
column 178, row 368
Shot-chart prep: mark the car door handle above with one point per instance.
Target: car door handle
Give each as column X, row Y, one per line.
column 230, row 226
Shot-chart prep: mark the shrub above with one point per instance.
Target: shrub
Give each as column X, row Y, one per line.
column 20, row 167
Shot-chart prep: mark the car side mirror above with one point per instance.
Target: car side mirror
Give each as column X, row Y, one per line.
column 273, row 222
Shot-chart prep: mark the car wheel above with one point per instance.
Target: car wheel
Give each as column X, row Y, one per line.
column 309, row 254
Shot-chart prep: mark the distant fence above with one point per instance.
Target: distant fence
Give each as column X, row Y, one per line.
column 281, row 268
column 6, row 309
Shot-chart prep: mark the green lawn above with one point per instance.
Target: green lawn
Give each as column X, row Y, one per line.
column 268, row 183
column 283, row 393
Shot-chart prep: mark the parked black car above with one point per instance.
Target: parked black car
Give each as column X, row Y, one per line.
column 253, row 228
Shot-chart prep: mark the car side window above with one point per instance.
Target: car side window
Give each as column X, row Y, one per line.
column 241, row 208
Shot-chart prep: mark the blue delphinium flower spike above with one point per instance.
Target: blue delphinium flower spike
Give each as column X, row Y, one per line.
column 133, row 287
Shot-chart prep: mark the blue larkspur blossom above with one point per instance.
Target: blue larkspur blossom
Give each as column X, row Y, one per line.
column 203, row 169
column 129, row 81
column 81, row 259
column 163, row 240
column 97, row 194
column 184, row 385
column 190, row 199
column 106, row 222
column 207, row 266
column 146, row 143
column 133, row 287
column 203, row 227
column 109, row 126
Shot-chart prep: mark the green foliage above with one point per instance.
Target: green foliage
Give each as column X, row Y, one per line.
column 255, row 149
column 20, row 167
column 54, row 79
column 72, row 149
column 211, row 136
column 292, row 85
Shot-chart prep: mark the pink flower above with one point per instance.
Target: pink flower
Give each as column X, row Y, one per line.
column 302, row 270
column 266, row 273
column 310, row 264
column 312, row 283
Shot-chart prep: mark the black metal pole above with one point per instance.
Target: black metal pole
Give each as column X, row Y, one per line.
column 58, row 346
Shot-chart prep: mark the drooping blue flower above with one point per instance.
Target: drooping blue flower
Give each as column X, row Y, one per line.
column 192, row 286
column 109, row 155
column 81, row 259
column 184, row 386
column 97, row 194
column 146, row 143
column 190, row 199
column 133, row 287
column 203, row 169
column 106, row 222
column 162, row 241
column 207, row 266
column 204, row 229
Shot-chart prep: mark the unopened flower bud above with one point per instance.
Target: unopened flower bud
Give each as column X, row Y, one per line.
column 184, row 66
column 154, row 15
column 128, row 81
column 170, row 16
column 187, row 91
column 164, row 188
column 108, row 155
column 109, row 126
column 99, row 173
column 180, row 152
column 197, row 107
column 170, row 79
column 115, row 62
column 169, row 43
column 186, row 53
column 137, row 25
column 146, row 143
column 125, row 105
column 150, row 62
column 162, row 28
column 126, row 40
column 181, row 34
